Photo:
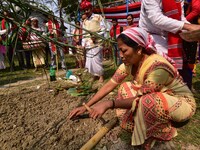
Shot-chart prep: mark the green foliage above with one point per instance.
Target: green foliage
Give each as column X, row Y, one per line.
column 70, row 6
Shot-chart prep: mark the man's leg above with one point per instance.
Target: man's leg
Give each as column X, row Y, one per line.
column 20, row 58
column 62, row 58
column 10, row 56
column 53, row 59
column 28, row 59
column 47, row 52
column 186, row 74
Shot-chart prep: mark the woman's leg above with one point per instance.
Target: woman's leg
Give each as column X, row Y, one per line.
column 126, row 90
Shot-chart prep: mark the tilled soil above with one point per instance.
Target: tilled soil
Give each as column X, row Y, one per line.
column 34, row 116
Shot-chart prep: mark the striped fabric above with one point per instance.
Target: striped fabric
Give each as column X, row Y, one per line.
column 54, row 29
column 141, row 37
column 155, row 102
column 173, row 9
column 120, row 13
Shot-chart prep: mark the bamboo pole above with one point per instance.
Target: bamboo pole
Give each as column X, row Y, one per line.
column 57, row 62
column 98, row 136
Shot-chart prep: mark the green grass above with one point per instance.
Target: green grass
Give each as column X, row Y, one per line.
column 7, row 77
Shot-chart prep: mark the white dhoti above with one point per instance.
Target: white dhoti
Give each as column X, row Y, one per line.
column 94, row 61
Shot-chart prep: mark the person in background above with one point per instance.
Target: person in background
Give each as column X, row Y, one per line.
column 193, row 10
column 53, row 30
column 94, row 58
column 7, row 38
column 65, row 41
column 24, row 35
column 2, row 50
column 77, row 32
column 47, row 49
column 76, row 41
column 190, row 48
column 156, row 19
column 36, row 41
column 115, row 30
column 83, row 17
column 130, row 21
column 154, row 98
column 107, row 51
column 77, row 36
column 95, row 24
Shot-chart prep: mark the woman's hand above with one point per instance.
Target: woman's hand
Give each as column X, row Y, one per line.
column 100, row 108
column 77, row 111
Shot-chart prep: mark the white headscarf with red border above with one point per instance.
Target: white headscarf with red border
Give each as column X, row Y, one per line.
column 141, row 37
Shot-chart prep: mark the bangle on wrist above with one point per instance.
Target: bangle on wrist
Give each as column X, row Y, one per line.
column 113, row 104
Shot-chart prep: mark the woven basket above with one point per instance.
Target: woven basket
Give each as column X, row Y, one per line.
column 33, row 45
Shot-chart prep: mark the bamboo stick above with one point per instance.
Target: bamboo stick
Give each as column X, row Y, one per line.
column 98, row 136
column 57, row 62
column 87, row 107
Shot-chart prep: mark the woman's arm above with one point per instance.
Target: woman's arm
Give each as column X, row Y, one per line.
column 108, row 87
column 154, row 82
column 100, row 108
column 117, row 78
column 195, row 10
